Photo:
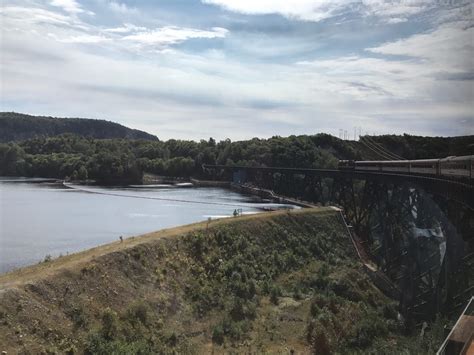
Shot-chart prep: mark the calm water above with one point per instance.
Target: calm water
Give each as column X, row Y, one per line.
column 39, row 219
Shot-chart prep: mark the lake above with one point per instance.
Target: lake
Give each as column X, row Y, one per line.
column 39, row 219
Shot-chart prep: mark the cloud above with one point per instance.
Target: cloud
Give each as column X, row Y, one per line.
column 126, row 28
column 393, row 20
column 448, row 48
column 387, row 11
column 365, row 78
column 396, row 8
column 71, row 6
column 121, row 7
column 70, row 29
column 308, row 10
column 84, row 39
column 33, row 15
column 435, row 66
column 170, row 35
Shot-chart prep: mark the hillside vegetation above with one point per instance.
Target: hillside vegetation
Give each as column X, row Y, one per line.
column 279, row 282
column 17, row 127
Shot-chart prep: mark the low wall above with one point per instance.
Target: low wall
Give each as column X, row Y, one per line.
column 268, row 194
column 210, row 183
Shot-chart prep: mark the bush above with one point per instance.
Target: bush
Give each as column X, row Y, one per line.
column 317, row 338
column 366, row 330
column 109, row 324
column 275, row 292
column 138, row 312
column 389, row 311
column 297, row 295
column 218, row 334
column 78, row 316
column 97, row 345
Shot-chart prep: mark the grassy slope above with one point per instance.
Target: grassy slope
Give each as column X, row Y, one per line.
column 264, row 283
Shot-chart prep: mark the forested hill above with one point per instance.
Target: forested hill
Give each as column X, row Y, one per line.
column 16, row 127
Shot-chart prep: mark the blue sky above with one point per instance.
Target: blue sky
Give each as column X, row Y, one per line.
column 192, row 69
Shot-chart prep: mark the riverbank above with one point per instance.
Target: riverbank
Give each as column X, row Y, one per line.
column 255, row 283
column 253, row 190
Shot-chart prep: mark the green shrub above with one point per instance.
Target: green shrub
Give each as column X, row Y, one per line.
column 78, row 316
column 218, row 334
column 275, row 292
column 96, row 344
column 366, row 330
column 138, row 312
column 297, row 294
column 317, row 338
column 110, row 324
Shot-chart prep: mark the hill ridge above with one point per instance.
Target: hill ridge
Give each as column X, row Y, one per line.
column 16, row 126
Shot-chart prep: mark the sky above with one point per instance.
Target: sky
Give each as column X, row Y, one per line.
column 192, row 69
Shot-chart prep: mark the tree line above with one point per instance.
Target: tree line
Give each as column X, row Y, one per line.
column 116, row 161
column 125, row 161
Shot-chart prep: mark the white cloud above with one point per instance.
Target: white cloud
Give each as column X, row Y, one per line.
column 71, row 6
column 396, row 8
column 437, row 67
column 121, row 7
column 126, row 28
column 84, row 39
column 393, row 20
column 309, row 10
column 27, row 15
column 447, row 48
column 68, row 28
column 170, row 35
column 389, row 11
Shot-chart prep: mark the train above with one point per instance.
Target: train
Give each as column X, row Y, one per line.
column 453, row 167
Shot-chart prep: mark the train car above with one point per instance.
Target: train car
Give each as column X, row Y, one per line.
column 396, row 166
column 368, row 165
column 424, row 166
column 457, row 166
column 346, row 165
